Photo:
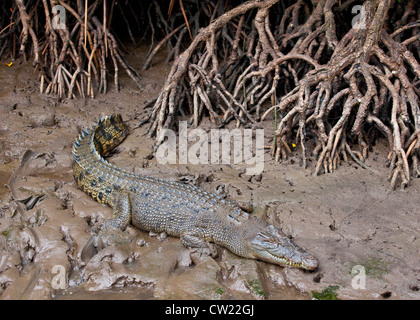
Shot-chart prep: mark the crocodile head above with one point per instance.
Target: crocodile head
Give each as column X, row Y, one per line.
column 271, row 245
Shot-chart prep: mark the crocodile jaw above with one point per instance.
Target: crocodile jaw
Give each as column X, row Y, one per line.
column 273, row 246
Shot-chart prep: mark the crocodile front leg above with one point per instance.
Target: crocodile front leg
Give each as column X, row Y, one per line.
column 197, row 241
column 191, row 240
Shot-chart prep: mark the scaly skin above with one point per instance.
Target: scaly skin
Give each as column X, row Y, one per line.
column 188, row 212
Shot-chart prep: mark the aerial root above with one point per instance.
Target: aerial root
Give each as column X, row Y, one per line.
column 365, row 88
column 330, row 90
column 73, row 62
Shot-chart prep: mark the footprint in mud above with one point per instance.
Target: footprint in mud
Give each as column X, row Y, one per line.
column 18, row 239
column 103, row 239
column 31, row 243
column 32, row 200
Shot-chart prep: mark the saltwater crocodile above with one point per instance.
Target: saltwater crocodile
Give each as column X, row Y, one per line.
column 194, row 215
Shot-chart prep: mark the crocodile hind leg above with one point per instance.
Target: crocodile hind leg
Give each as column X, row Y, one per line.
column 121, row 216
column 110, row 232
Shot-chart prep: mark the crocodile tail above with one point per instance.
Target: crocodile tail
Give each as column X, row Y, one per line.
column 109, row 133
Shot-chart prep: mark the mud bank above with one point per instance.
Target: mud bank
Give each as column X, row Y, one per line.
column 348, row 218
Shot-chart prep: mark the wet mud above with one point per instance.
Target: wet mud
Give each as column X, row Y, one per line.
column 350, row 219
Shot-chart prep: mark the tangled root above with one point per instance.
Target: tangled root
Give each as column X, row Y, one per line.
column 339, row 83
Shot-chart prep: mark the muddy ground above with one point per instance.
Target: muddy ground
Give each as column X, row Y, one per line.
column 348, row 218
